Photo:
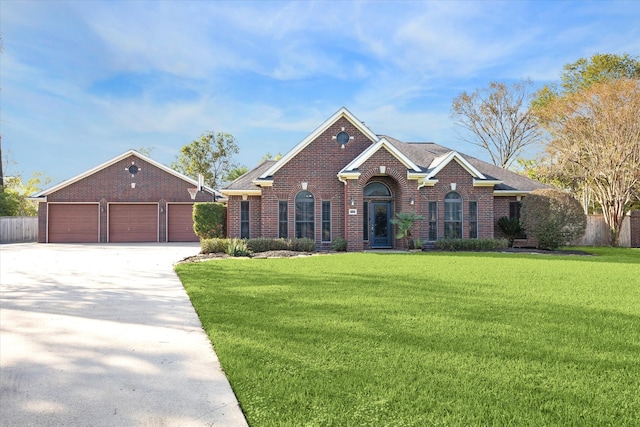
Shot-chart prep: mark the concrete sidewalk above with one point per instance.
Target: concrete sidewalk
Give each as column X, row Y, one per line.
column 105, row 335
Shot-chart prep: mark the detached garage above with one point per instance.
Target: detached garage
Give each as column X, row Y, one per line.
column 130, row 198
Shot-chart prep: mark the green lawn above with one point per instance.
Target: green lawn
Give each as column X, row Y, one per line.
column 364, row 339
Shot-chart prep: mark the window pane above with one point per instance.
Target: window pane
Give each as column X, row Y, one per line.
column 326, row 221
column 473, row 220
column 376, row 189
column 433, row 220
column 304, row 215
column 244, row 219
column 365, row 221
column 283, row 219
column 453, row 216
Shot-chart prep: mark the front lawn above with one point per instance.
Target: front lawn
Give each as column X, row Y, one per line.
column 364, row 339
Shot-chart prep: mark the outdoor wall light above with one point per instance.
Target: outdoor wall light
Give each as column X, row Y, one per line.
column 352, row 202
column 411, row 201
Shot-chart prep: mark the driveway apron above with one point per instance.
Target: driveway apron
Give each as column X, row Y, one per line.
column 105, row 335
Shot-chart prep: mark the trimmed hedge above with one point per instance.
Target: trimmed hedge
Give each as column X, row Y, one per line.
column 471, row 244
column 246, row 246
column 210, row 220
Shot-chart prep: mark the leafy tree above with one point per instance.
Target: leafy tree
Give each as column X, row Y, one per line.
column 405, row 221
column 269, row 156
column 594, row 138
column 583, row 73
column 553, row 217
column 211, row 155
column 497, row 118
column 236, row 173
column 14, row 194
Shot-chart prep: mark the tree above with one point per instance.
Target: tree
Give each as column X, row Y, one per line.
column 497, row 118
column 14, row 194
column 594, row 137
column 236, row 173
column 553, row 217
column 211, row 155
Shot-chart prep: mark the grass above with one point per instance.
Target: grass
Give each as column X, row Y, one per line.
column 362, row 339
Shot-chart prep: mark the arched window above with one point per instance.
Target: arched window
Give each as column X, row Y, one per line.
column 452, row 216
column 376, row 189
column 305, row 217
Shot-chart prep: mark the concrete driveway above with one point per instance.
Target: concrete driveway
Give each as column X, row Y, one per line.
column 105, row 335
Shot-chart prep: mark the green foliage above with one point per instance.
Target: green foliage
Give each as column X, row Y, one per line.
column 14, row 194
column 553, row 217
column 210, row 220
column 260, row 244
column 510, row 227
column 213, row 246
column 339, row 244
column 303, row 245
column 236, row 173
column 211, row 155
column 431, row 339
column 454, row 245
column 404, row 221
column 237, row 247
column 585, row 72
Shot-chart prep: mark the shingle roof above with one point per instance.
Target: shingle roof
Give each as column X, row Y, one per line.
column 423, row 155
column 245, row 182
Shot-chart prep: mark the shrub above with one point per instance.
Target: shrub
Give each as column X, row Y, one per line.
column 554, row 217
column 262, row 244
column 210, row 220
column 303, row 245
column 213, row 246
column 471, row 244
column 339, row 244
column 510, row 227
column 237, row 247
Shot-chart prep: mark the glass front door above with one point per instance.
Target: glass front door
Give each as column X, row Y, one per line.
column 380, row 220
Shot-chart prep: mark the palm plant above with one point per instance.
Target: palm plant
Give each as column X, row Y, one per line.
column 405, row 221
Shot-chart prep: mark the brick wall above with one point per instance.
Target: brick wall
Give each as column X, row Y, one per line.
column 113, row 185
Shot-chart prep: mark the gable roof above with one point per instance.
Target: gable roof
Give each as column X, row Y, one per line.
column 116, row 159
column 341, row 113
column 423, row 160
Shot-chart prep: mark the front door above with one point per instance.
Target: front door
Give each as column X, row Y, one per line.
column 380, row 220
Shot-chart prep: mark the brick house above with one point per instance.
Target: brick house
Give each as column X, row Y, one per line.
column 130, row 198
column 343, row 180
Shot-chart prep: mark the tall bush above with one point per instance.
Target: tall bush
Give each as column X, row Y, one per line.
column 210, row 220
column 554, row 217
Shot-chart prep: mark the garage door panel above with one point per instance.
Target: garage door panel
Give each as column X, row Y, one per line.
column 133, row 223
column 180, row 223
column 73, row 223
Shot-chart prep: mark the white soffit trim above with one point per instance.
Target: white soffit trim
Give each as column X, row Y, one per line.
column 343, row 112
column 486, row 183
column 440, row 162
column 383, row 143
column 241, row 192
column 263, row 182
column 510, row 192
column 111, row 162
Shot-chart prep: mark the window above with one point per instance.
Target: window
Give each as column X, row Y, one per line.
column 326, row 221
column 433, row 220
column 244, row 219
column 376, row 189
column 514, row 209
column 473, row 220
column 283, row 219
column 452, row 216
column 304, row 215
column 365, row 221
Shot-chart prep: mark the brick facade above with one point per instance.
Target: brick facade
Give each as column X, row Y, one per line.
column 339, row 174
column 113, row 184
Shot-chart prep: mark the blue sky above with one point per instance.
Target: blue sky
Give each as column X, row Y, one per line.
column 83, row 81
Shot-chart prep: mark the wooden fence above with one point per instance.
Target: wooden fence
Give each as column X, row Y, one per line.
column 18, row 229
column 597, row 233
